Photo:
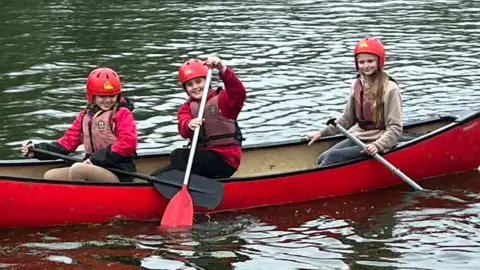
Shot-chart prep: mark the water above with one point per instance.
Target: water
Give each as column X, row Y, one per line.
column 295, row 58
column 386, row 229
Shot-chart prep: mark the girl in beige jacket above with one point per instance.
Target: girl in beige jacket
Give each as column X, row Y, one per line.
column 373, row 112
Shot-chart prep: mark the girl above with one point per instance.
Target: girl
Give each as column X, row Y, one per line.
column 219, row 150
column 373, row 110
column 107, row 130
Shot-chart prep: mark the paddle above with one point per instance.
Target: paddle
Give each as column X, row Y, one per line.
column 179, row 212
column 376, row 156
column 205, row 192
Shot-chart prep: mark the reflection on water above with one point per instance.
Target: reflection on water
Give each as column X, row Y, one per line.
column 386, row 229
column 295, row 59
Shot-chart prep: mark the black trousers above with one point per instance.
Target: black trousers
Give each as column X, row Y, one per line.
column 206, row 163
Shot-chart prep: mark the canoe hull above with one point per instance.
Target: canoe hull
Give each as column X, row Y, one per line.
column 50, row 204
column 38, row 202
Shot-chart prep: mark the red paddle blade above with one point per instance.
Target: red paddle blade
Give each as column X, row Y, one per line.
column 179, row 211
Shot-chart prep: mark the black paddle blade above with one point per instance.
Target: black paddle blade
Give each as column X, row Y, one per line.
column 205, row 192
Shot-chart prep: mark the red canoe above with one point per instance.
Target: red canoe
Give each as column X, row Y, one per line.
column 270, row 174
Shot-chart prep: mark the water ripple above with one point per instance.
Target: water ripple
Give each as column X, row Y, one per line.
column 295, row 60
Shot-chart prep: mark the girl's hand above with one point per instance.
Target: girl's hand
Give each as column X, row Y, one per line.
column 370, row 149
column 215, row 62
column 26, row 150
column 194, row 123
column 313, row 136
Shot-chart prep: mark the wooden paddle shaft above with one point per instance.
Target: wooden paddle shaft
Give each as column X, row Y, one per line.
column 381, row 159
column 196, row 133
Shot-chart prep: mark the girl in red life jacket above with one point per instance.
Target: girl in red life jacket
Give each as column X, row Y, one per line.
column 373, row 110
column 219, row 150
column 107, row 130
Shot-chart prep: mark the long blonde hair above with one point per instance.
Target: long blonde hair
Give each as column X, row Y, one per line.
column 379, row 82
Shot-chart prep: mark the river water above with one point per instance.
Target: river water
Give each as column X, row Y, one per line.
column 295, row 59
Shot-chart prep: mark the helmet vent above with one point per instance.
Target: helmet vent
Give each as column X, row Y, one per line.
column 107, row 76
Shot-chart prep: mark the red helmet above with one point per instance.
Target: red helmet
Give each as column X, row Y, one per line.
column 370, row 45
column 191, row 69
column 103, row 82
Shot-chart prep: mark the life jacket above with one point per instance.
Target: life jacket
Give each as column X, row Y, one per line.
column 98, row 127
column 98, row 130
column 364, row 107
column 216, row 130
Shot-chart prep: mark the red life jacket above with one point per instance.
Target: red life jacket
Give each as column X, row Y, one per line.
column 216, row 129
column 98, row 131
column 364, row 107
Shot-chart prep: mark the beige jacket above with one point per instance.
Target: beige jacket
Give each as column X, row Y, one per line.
column 383, row 139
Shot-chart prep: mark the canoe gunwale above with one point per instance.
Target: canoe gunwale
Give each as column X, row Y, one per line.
column 462, row 118
column 266, row 145
column 66, row 182
column 456, row 120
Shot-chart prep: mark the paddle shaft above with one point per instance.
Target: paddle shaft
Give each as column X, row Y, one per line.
column 381, row 159
column 196, row 133
column 137, row 175
column 179, row 211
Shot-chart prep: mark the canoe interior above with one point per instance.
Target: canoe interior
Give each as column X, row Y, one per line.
column 258, row 160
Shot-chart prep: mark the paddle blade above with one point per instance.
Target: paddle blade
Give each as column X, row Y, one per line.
column 179, row 211
column 205, row 192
